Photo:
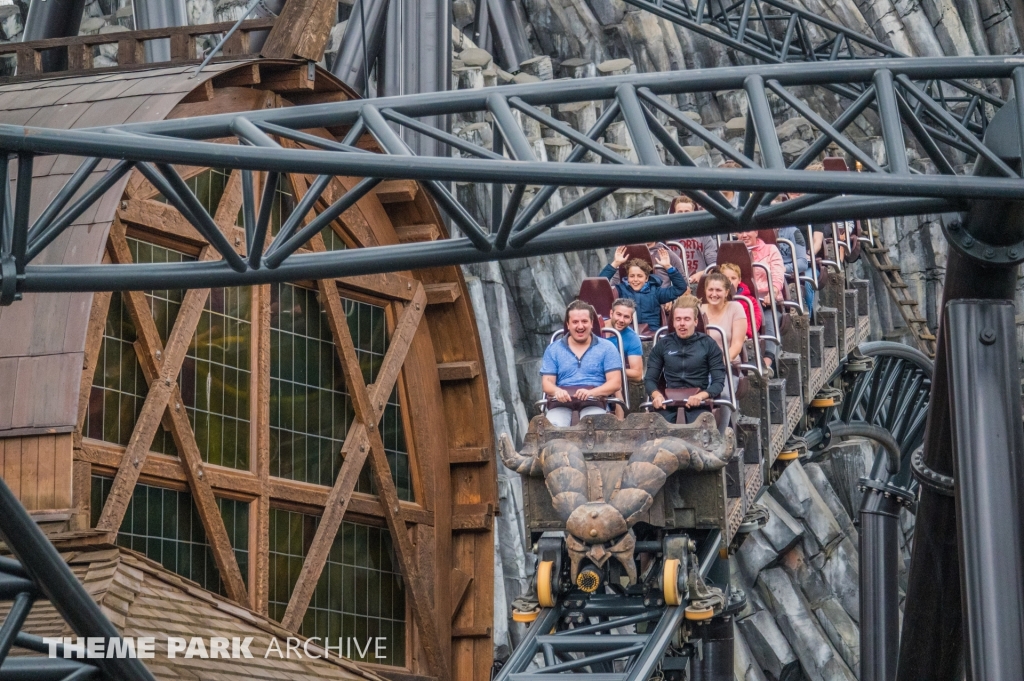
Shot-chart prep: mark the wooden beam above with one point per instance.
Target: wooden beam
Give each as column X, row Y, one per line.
column 469, row 455
column 168, row 470
column 259, row 522
column 160, row 367
column 408, row 234
column 443, row 294
column 202, row 93
column 301, row 30
column 93, row 343
column 460, row 585
column 473, row 517
column 458, row 371
column 317, row 497
column 164, row 219
column 286, row 80
column 244, row 76
column 397, row 191
column 368, row 405
column 471, row 632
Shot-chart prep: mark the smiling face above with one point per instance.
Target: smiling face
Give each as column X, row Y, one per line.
column 714, row 292
column 580, row 325
column 622, row 317
column 684, row 321
column 636, row 278
column 749, row 239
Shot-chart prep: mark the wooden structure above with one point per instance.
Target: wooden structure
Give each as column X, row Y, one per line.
column 50, row 360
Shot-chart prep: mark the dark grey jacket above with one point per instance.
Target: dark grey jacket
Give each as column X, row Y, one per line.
column 694, row 362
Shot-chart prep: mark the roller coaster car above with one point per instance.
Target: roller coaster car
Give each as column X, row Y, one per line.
column 628, row 496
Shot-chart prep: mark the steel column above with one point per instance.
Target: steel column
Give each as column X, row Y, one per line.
column 355, row 58
column 988, row 439
column 879, row 579
column 53, row 19
column 157, row 14
column 509, row 32
column 931, row 645
column 715, row 661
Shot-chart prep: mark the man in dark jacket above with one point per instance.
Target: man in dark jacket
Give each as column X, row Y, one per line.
column 687, row 359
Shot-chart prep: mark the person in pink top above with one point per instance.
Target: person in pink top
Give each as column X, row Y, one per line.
column 769, row 255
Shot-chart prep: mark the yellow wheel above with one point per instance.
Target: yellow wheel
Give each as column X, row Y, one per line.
column 588, row 581
column 822, row 402
column 788, row 456
column 545, row 596
column 670, row 582
column 520, row 616
column 698, row 614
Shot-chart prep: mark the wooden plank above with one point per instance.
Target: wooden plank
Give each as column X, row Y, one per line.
column 458, row 371
column 473, row 517
column 292, row 79
column 443, row 294
column 202, row 93
column 397, row 191
column 164, row 219
column 79, row 57
column 81, row 493
column 130, row 51
column 12, row 464
column 301, row 30
column 93, row 342
column 30, row 61
column 471, row 632
column 413, row 233
column 259, row 522
column 460, row 584
column 167, row 470
column 389, row 285
column 63, row 453
column 247, row 75
column 47, row 472
column 316, row 497
column 469, row 455
column 30, row 473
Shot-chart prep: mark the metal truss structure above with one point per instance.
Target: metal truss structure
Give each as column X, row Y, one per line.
column 523, row 219
column 38, row 571
column 776, row 32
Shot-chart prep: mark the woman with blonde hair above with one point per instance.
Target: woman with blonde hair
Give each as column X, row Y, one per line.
column 722, row 311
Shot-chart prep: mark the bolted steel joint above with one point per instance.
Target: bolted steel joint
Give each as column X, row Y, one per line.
column 986, row 254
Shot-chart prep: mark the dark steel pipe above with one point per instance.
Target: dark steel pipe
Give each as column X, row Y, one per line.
column 508, row 32
column 988, row 439
column 157, row 14
column 715, row 661
column 931, row 645
column 54, row 578
column 53, row 19
column 355, row 59
column 879, row 580
column 36, row 669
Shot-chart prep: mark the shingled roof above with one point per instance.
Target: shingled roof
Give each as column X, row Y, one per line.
column 142, row 598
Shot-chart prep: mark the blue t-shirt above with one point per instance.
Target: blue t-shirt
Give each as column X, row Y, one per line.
column 601, row 357
column 630, row 342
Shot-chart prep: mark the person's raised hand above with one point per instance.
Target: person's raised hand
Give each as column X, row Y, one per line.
column 620, row 256
column 663, row 258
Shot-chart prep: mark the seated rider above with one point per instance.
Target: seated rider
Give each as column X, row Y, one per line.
column 691, row 363
column 580, row 370
column 701, row 251
column 644, row 290
column 633, row 350
column 733, row 273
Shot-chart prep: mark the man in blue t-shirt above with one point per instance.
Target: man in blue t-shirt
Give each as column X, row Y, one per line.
column 621, row 320
column 579, row 368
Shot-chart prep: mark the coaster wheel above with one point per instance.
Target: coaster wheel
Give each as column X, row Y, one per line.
column 545, row 586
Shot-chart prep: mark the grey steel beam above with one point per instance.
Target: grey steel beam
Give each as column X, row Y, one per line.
column 54, row 579
column 988, row 438
column 378, row 259
column 361, row 43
